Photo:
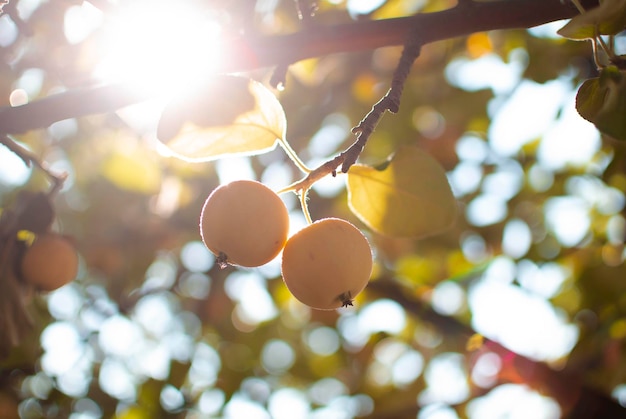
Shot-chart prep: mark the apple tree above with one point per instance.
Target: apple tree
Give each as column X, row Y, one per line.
column 299, row 208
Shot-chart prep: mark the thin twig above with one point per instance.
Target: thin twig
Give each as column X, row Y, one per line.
column 306, row 10
column 316, row 174
column 606, row 48
column 579, row 6
column 30, row 159
column 279, row 76
column 597, row 41
column 390, row 102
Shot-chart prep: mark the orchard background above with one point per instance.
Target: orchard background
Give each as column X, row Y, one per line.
column 518, row 308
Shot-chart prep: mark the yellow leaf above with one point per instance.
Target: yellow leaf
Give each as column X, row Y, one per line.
column 475, row 342
column 409, row 197
column 229, row 116
column 417, row 270
column 26, row 236
column 609, row 18
column 133, row 171
column 133, row 412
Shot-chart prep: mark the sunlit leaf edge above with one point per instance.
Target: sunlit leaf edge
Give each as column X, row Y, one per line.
column 609, row 18
column 273, row 111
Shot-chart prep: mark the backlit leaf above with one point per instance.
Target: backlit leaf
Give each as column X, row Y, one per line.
column 602, row 101
column 229, row 116
column 409, row 197
column 609, row 18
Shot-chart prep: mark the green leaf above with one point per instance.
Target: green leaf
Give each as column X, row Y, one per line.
column 229, row 116
column 602, row 101
column 609, row 18
column 409, row 197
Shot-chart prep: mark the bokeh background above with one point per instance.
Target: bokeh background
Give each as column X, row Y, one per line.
column 525, row 296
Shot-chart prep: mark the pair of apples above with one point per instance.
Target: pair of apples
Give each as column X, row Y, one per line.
column 324, row 265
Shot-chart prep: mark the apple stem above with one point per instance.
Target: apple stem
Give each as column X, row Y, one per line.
column 579, row 6
column 305, row 206
column 291, row 153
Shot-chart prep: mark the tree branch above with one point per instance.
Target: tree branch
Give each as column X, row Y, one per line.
column 311, row 41
column 577, row 400
column 390, row 102
column 30, row 159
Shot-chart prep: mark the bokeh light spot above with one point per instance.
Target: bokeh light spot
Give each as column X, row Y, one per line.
column 448, row 298
column 115, row 379
column 516, row 238
column 446, row 380
column 277, row 356
column 288, row 403
column 13, row 170
column 513, row 401
column 195, row 257
column 322, row 340
column 486, row 209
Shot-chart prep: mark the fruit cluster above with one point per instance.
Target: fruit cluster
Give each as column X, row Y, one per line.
column 324, row 265
column 42, row 258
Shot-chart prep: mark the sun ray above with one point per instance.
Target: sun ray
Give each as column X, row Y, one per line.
column 159, row 45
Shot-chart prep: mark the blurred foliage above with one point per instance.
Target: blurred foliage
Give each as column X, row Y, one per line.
column 153, row 328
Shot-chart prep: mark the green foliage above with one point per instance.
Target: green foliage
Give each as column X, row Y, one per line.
column 602, row 100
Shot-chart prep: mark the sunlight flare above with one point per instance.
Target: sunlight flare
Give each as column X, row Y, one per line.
column 159, row 45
